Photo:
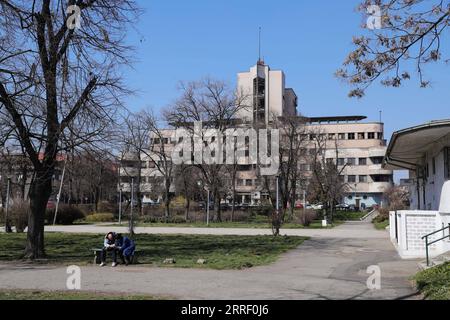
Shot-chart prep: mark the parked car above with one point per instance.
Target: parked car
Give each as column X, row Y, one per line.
column 343, row 206
column 317, row 206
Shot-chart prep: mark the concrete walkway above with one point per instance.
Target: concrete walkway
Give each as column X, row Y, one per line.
column 347, row 230
column 332, row 265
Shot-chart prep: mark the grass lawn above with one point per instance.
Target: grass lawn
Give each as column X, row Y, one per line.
column 381, row 225
column 434, row 283
column 69, row 295
column 220, row 252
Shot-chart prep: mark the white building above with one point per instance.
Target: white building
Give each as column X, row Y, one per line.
column 265, row 90
column 361, row 144
column 424, row 151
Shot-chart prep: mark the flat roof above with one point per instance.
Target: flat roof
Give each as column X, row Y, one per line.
column 408, row 147
column 336, row 119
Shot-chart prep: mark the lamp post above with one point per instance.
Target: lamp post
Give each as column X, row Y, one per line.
column 200, row 184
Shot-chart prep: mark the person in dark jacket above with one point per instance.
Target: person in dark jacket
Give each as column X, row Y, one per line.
column 126, row 248
column 109, row 245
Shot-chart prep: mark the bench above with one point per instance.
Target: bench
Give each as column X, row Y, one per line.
column 98, row 256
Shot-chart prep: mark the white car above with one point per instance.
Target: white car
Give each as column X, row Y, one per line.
column 317, row 206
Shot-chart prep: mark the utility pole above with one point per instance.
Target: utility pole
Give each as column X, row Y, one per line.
column 131, row 225
column 120, row 205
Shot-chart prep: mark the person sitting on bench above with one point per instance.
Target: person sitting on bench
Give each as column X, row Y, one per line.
column 109, row 245
column 126, row 248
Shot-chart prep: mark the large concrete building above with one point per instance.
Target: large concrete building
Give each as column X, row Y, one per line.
column 361, row 144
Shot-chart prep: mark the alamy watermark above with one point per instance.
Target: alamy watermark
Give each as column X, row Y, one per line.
column 241, row 146
column 374, row 21
column 74, row 18
column 73, row 281
column 374, row 281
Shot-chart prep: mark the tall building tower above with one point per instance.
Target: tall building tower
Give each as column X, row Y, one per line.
column 266, row 95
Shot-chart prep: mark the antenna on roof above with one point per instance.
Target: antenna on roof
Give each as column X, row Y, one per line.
column 260, row 61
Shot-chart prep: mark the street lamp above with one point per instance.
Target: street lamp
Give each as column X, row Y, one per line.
column 200, row 184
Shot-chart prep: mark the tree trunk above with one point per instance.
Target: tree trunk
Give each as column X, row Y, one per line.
column 218, row 216
column 187, row 209
column 40, row 191
column 167, row 200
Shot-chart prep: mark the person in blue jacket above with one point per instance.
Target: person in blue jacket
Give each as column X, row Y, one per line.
column 126, row 248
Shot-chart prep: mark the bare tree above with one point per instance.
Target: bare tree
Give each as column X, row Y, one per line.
column 327, row 185
column 59, row 84
column 213, row 104
column 293, row 141
column 410, row 34
column 397, row 198
column 186, row 184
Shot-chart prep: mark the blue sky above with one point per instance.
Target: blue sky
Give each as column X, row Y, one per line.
column 187, row 40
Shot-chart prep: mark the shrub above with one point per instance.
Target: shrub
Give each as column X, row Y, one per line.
column 383, row 215
column 100, row 217
column 262, row 210
column 434, row 283
column 106, row 206
column 18, row 214
column 306, row 217
column 67, row 215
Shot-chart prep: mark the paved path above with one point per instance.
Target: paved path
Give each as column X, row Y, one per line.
column 348, row 230
column 329, row 266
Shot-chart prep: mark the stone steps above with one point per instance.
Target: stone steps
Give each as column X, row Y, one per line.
column 434, row 262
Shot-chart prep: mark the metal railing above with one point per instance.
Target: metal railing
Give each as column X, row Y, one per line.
column 428, row 243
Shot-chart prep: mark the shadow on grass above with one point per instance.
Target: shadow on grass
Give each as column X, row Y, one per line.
column 220, row 252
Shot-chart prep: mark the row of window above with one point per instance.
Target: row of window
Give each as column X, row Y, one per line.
column 365, row 178
column 347, row 136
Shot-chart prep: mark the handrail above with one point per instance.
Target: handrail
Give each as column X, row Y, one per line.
column 433, row 233
column 428, row 244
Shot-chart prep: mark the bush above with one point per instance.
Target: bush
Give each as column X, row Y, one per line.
column 306, row 217
column 100, row 217
column 107, row 207
column 67, row 215
column 18, row 214
column 383, row 216
column 262, row 211
column 434, row 283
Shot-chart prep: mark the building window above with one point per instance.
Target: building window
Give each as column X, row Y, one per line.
column 342, row 179
column 363, row 179
column 351, row 161
column 351, row 136
column 371, row 135
column 380, row 135
column 341, row 136
column 361, row 136
column 341, row 162
column 377, row 160
column 331, row 136
column 351, row 179
column 362, row 161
